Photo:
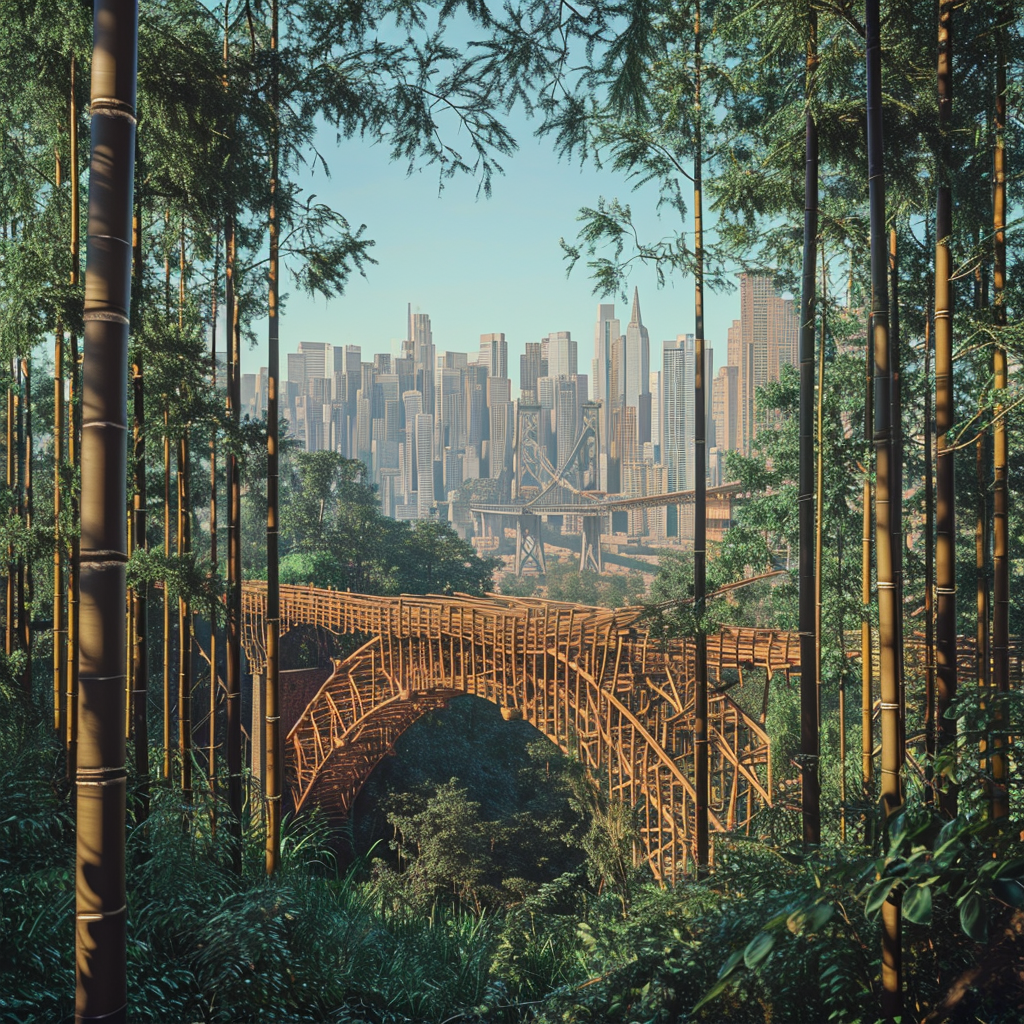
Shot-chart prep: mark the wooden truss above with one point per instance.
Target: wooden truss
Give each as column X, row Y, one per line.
column 590, row 679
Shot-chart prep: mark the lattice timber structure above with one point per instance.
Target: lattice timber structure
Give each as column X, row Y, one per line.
column 590, row 679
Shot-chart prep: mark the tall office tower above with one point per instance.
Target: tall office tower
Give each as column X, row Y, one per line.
column 471, row 462
column 319, row 388
column 423, row 354
column 364, row 430
column 248, row 390
column 499, row 389
column 337, row 438
column 726, row 409
column 297, row 371
column 582, row 391
column 494, row 352
column 501, row 440
column 476, row 409
column 677, row 411
column 449, row 413
column 319, row 358
column 637, row 370
column 405, row 368
column 530, row 368
column 567, row 418
column 259, row 403
column 561, row 354
column 740, row 357
column 769, row 325
column 606, row 331
column 389, row 487
column 412, row 402
column 424, row 464
column 382, row 362
column 452, row 470
column 655, row 387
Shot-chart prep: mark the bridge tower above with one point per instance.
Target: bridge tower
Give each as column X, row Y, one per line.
column 529, row 544
column 528, row 483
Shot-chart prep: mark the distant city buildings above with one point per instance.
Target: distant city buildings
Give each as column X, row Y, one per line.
column 425, row 423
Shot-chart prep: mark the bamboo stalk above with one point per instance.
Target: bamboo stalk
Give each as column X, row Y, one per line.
column 1000, row 809
column 810, row 783
column 700, row 724
column 100, row 912
column 945, row 518
column 892, row 749
column 59, row 653
column 272, row 721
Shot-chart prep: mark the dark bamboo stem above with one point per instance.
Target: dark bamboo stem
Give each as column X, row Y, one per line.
column 100, row 912
column 810, row 783
column 272, row 726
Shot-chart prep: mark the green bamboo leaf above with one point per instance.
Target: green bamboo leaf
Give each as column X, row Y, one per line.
column 917, row 904
column 974, row 917
column 757, row 949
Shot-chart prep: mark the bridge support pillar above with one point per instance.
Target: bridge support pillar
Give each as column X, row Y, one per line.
column 590, row 544
column 529, row 544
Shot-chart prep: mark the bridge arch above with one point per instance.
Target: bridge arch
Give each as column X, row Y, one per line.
column 588, row 679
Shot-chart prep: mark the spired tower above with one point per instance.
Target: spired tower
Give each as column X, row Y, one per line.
column 636, row 377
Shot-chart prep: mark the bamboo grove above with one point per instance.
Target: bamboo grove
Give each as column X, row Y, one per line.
column 122, row 599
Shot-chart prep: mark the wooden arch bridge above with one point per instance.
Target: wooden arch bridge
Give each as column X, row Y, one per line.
column 590, row 679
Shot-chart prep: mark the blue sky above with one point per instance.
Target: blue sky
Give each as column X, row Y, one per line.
column 479, row 265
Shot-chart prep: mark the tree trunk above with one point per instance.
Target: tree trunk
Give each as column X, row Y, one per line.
column 100, row 960
column 700, row 730
column 9, row 612
column 140, row 602
column 1000, row 489
column 272, row 724
column 809, row 705
column 184, row 629
column 892, row 750
column 945, row 517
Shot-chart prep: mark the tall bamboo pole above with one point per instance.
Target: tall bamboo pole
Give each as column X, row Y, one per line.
column 167, row 736
column 810, row 783
column 945, row 513
column 10, row 622
column 1000, row 810
column 25, row 585
column 929, row 572
column 272, row 724
column 819, row 530
column 232, row 630
column 211, row 753
column 888, row 641
column 700, row 725
column 896, row 419
column 233, row 659
column 182, row 547
column 100, row 957
column 74, row 433
column 866, row 655
column 59, row 653
column 140, row 602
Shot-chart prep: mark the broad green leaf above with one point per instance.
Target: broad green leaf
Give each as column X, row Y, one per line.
column 877, row 895
column 757, row 949
column 1009, row 890
column 917, row 904
column 974, row 917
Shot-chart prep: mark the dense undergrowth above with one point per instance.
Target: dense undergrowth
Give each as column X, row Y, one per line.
column 772, row 935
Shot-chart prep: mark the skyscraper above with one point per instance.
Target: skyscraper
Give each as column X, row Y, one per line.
column 561, row 354
column 636, row 369
column 606, row 331
column 494, row 351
